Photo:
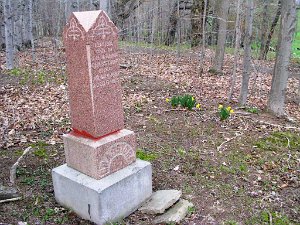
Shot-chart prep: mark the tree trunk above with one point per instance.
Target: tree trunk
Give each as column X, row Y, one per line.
column 2, row 27
column 173, row 20
column 9, row 46
column 222, row 13
column 30, row 6
column 196, row 21
column 263, row 28
column 271, row 32
column 247, row 52
column 104, row 5
column 280, row 73
column 236, row 49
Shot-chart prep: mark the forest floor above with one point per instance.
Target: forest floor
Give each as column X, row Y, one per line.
column 243, row 170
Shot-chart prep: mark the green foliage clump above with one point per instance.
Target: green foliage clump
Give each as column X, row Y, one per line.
column 252, row 110
column 278, row 140
column 141, row 154
column 265, row 217
column 185, row 101
column 225, row 112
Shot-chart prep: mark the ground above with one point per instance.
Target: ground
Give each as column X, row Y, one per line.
column 243, row 170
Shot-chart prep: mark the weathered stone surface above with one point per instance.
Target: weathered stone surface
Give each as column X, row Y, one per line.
column 91, row 43
column 176, row 213
column 107, row 200
column 8, row 193
column 100, row 158
column 160, row 201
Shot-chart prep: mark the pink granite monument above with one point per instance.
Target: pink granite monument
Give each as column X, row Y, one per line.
column 91, row 43
column 98, row 145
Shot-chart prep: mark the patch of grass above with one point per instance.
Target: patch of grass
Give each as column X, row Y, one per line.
column 252, row 110
column 266, row 218
column 230, row 222
column 40, row 149
column 147, row 156
column 39, row 77
column 279, row 140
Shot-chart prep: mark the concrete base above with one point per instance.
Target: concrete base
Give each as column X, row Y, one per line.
column 107, row 200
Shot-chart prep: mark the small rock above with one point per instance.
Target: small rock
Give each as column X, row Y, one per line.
column 176, row 213
column 8, row 193
column 160, row 201
column 22, row 223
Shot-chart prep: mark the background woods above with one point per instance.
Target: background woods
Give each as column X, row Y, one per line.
column 199, row 78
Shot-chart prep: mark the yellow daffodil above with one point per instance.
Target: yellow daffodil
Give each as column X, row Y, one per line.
column 193, row 98
column 198, row 106
column 231, row 111
column 168, row 100
column 228, row 108
column 220, row 106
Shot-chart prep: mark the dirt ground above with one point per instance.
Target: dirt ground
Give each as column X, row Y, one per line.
column 243, row 170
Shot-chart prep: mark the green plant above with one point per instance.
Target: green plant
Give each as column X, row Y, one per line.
column 141, row 154
column 278, row 140
column 252, row 110
column 225, row 112
column 185, row 101
column 191, row 210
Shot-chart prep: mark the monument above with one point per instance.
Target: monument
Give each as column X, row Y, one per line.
column 102, row 180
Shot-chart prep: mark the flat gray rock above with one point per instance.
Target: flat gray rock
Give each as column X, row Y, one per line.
column 176, row 213
column 160, row 201
column 8, row 192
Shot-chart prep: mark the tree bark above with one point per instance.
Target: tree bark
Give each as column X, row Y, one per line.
column 173, row 20
column 9, row 46
column 222, row 13
column 247, row 52
column 280, row 73
column 196, row 21
column 271, row 32
column 236, row 49
column 263, row 28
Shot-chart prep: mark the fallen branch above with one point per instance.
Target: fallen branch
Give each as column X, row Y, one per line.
column 220, row 146
column 11, row 200
column 13, row 169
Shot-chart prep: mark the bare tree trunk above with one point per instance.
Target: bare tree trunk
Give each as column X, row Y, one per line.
column 173, row 20
column 31, row 28
column 263, row 28
column 280, row 74
column 9, row 46
column 202, row 54
column 247, row 52
column 104, row 5
column 197, row 21
column 236, row 49
column 2, row 27
column 271, row 32
column 222, row 12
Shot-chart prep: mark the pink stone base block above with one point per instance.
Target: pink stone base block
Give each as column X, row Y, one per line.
column 99, row 158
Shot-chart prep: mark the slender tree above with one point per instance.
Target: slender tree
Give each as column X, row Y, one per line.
column 8, row 22
column 265, row 49
column 236, row 48
column 280, row 73
column 247, row 52
column 222, row 13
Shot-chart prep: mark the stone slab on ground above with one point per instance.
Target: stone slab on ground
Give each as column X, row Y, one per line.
column 160, row 201
column 175, row 214
column 8, row 192
column 99, row 158
column 107, row 200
